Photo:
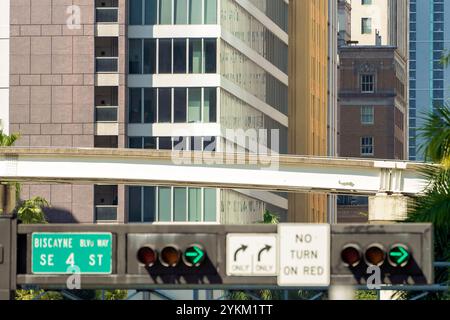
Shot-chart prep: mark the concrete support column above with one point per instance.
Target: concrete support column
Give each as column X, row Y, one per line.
column 8, row 199
column 384, row 208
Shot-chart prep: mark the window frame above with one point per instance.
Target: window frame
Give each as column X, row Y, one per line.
column 362, row 146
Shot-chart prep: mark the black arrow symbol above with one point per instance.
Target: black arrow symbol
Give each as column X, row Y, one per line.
column 242, row 248
column 266, row 248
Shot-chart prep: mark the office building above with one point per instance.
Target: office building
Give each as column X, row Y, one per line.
column 158, row 74
column 429, row 80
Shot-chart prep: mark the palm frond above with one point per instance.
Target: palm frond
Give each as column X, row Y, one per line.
column 436, row 133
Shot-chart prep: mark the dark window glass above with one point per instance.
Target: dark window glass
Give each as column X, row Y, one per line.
column 135, row 56
column 135, row 105
column 135, row 12
column 210, row 55
column 149, row 105
column 165, row 143
column 180, row 105
column 149, row 56
column 438, row 26
column 151, row 12
column 438, row 84
column 438, row 35
column 438, row 74
column 134, row 204
column 210, row 105
column 150, row 143
column 438, row 46
column 165, row 105
column 165, row 56
column 179, row 56
column 135, row 143
column 149, row 204
column 438, row 94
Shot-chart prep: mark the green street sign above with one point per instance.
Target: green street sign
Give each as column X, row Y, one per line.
column 399, row 255
column 194, row 255
column 67, row 253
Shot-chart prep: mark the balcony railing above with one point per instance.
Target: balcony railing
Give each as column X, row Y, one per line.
column 106, row 213
column 106, row 64
column 106, row 15
column 106, row 114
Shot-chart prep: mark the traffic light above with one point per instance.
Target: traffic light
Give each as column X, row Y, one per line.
column 173, row 258
column 403, row 253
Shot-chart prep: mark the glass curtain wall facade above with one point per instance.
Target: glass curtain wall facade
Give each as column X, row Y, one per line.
column 429, row 80
column 192, row 78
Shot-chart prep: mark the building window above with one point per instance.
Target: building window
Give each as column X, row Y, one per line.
column 181, row 12
column 367, row 83
column 366, row 2
column 165, row 56
column 174, row 56
column 367, row 115
column 187, row 105
column 367, row 146
column 366, row 25
column 171, row 204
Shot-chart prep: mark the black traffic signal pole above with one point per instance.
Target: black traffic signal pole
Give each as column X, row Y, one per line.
column 16, row 242
column 8, row 249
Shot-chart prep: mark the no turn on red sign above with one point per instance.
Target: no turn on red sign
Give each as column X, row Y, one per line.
column 304, row 255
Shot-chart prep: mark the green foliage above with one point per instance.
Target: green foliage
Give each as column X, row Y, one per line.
column 111, row 294
column 434, row 205
column 271, row 218
column 366, row 295
column 8, row 140
column 37, row 295
column 436, row 132
column 31, row 211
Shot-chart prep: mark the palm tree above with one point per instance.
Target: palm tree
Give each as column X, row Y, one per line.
column 434, row 205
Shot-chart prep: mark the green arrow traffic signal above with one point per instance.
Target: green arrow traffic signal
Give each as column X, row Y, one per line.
column 194, row 255
column 399, row 255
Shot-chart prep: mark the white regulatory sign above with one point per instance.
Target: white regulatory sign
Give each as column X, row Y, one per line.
column 304, row 255
column 251, row 254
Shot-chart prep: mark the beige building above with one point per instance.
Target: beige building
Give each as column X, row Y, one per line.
column 369, row 22
column 308, row 96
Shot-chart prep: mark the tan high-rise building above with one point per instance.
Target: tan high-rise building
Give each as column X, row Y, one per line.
column 308, row 96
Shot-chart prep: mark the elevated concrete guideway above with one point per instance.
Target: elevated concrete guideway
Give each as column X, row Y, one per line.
column 149, row 167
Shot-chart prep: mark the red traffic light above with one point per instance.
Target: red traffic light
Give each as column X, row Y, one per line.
column 375, row 255
column 351, row 255
column 147, row 256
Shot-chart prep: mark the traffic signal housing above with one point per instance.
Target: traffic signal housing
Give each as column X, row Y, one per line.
column 402, row 252
column 173, row 258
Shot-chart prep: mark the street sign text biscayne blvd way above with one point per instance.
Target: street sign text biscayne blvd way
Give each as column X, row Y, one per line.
column 63, row 253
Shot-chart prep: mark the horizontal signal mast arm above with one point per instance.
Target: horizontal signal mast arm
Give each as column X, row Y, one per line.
column 211, row 169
